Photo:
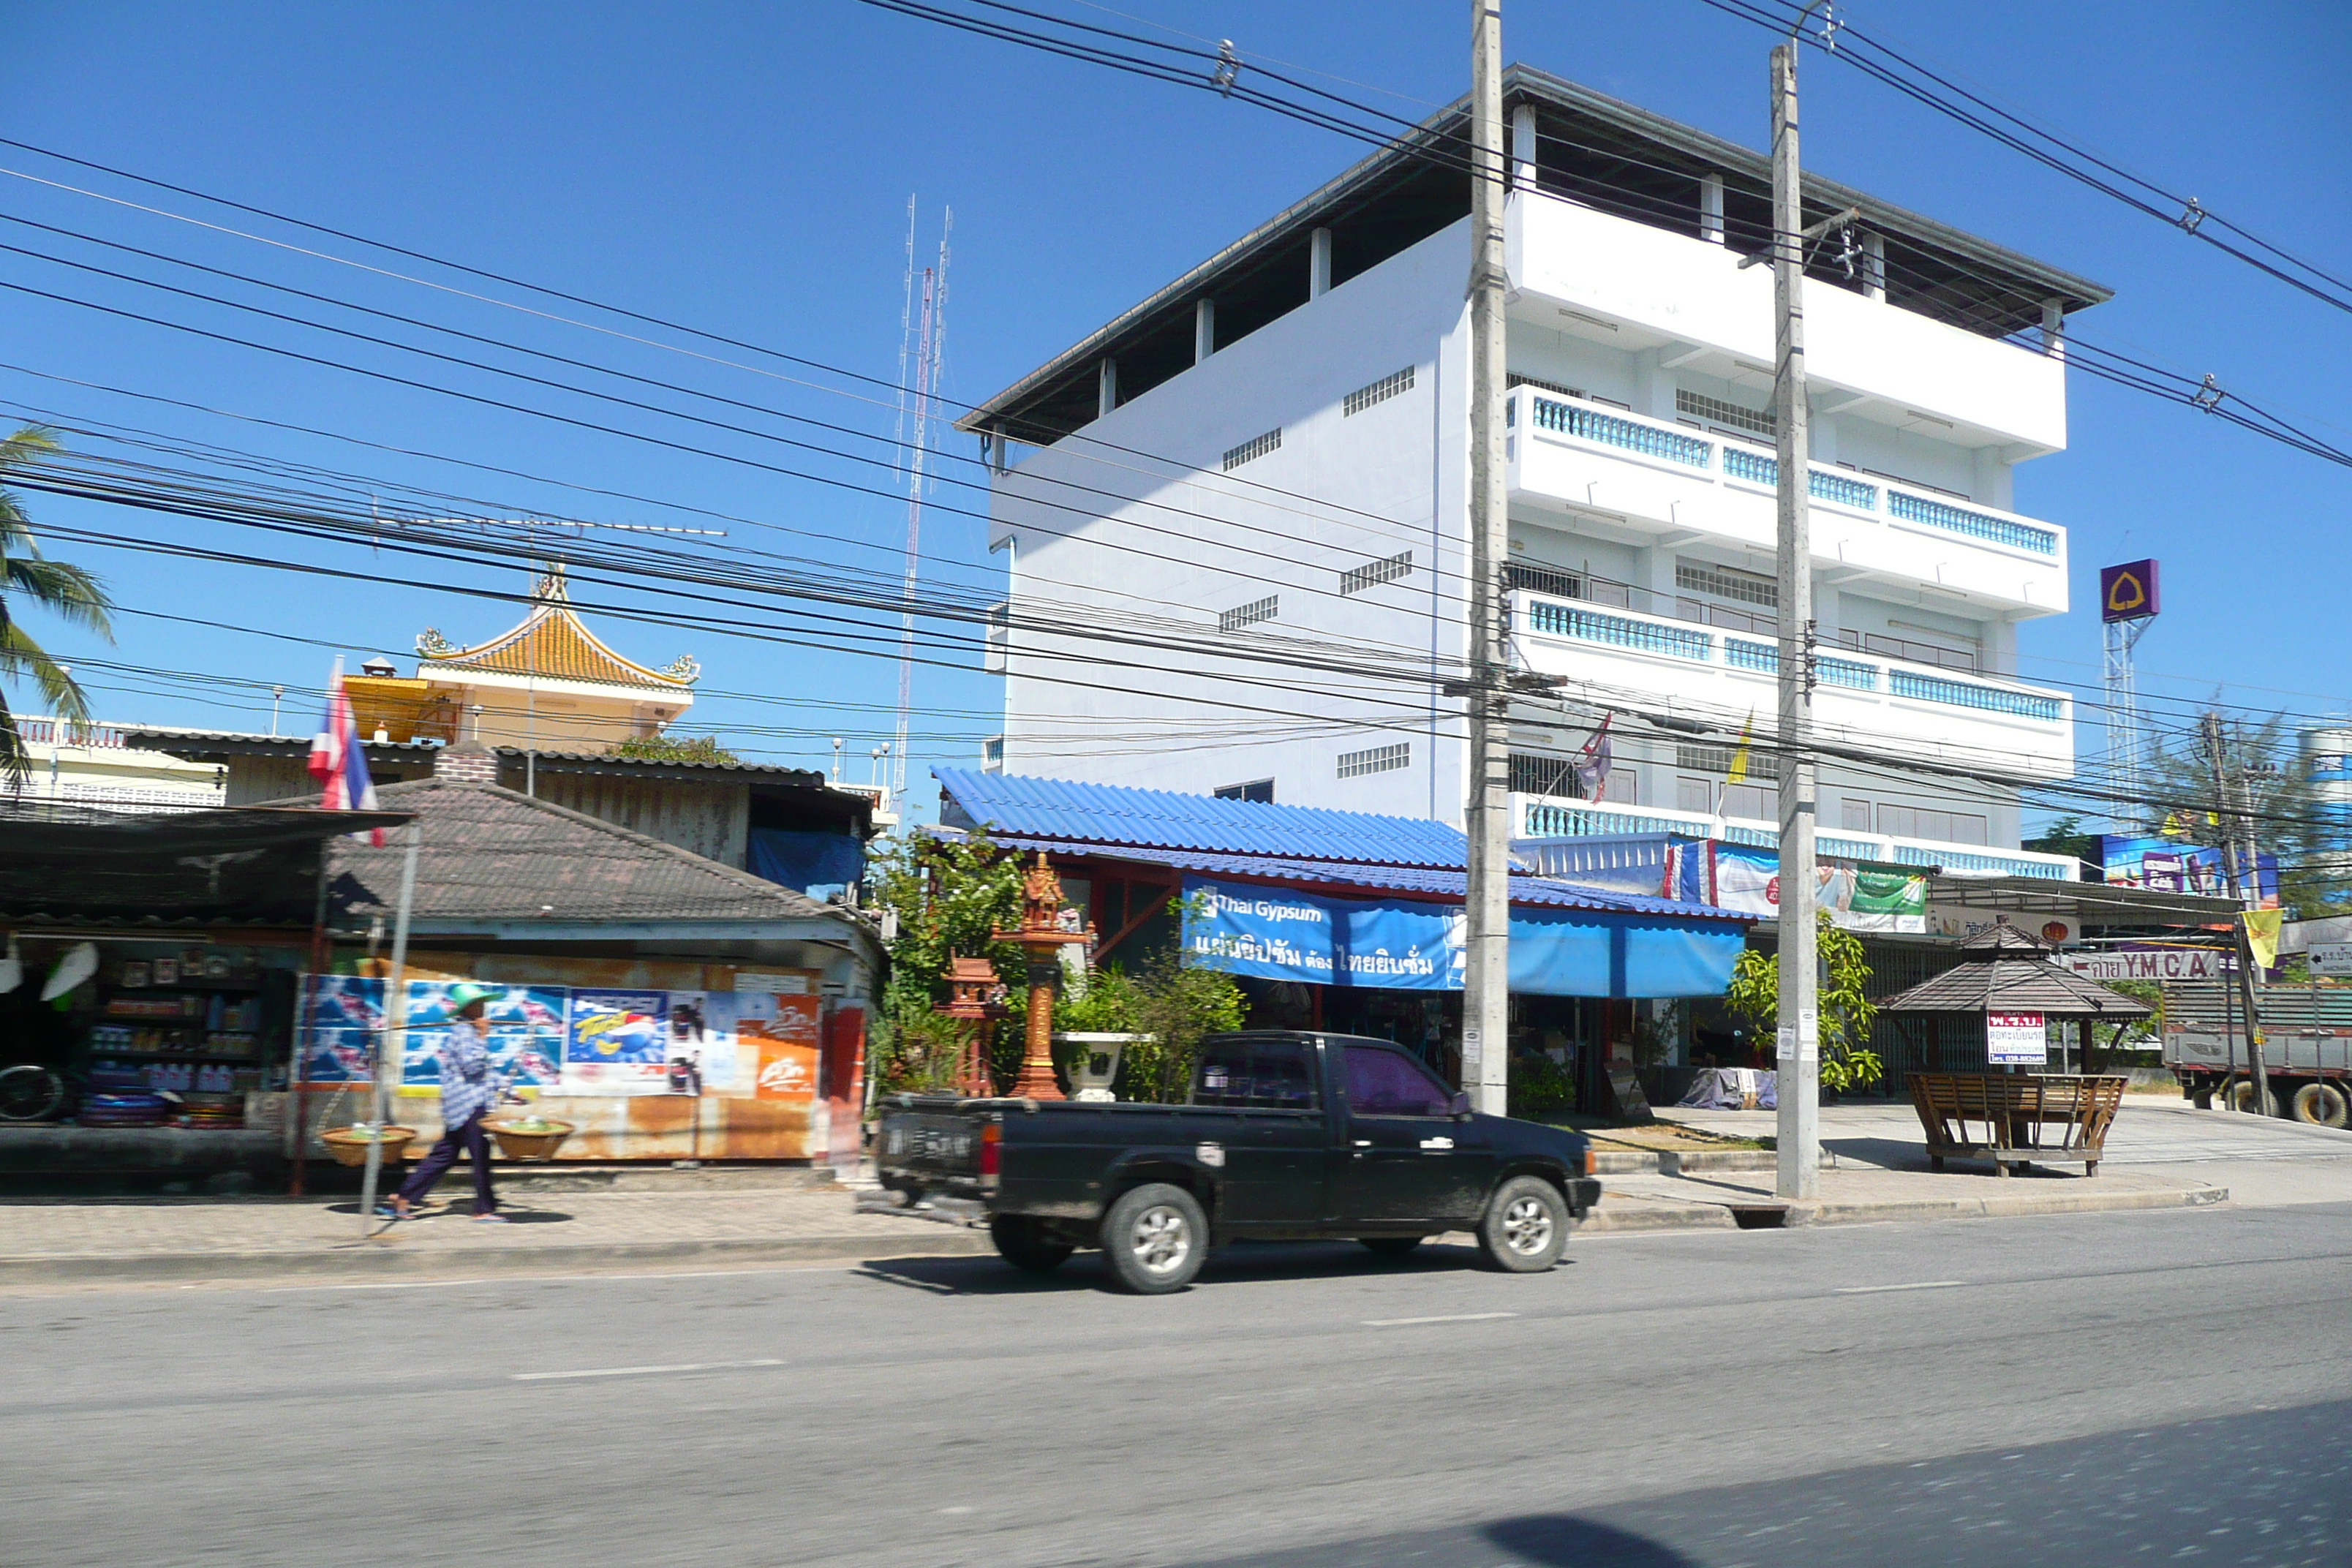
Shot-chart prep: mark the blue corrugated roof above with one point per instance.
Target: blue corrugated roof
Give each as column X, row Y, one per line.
column 1163, row 819
column 1414, row 881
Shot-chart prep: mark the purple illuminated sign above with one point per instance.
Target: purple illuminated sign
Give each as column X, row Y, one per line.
column 2128, row 592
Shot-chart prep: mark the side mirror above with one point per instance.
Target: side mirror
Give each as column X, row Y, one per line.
column 1460, row 1106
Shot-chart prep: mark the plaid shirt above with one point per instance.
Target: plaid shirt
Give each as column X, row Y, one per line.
column 468, row 1084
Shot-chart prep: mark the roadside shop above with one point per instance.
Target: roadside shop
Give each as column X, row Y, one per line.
column 668, row 1007
column 1352, row 922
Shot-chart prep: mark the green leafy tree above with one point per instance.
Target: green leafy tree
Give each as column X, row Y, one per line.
column 2287, row 816
column 68, row 591
column 949, row 895
column 1847, row 1015
column 1175, row 1003
column 670, row 749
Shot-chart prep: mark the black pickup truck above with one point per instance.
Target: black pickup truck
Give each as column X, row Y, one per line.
column 1286, row 1136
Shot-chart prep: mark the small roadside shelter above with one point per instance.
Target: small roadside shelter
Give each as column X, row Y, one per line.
column 2004, row 970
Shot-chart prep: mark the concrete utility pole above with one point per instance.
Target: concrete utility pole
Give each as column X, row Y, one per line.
column 2246, row 886
column 1798, row 1044
column 1485, row 996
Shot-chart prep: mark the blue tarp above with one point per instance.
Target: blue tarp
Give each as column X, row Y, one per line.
column 1282, row 933
column 817, row 864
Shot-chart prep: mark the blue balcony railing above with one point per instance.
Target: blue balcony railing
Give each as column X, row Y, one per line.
column 1825, row 485
column 1586, row 625
column 1967, row 694
column 1847, row 673
column 1569, row 419
column 1763, row 656
column 1975, row 524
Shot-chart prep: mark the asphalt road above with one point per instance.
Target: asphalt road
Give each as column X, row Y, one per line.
column 2080, row 1390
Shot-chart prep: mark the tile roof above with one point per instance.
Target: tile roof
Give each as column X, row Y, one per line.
column 2015, row 984
column 1163, row 819
column 492, row 854
column 1342, row 877
column 552, row 641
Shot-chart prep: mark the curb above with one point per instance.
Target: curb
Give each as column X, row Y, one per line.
column 1773, row 1215
column 350, row 1262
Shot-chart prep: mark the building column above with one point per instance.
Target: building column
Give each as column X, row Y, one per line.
column 1874, row 266
column 2000, row 648
column 1204, row 329
column 1319, row 263
column 996, row 453
column 1524, row 175
column 2053, row 328
column 1107, row 388
column 1710, row 209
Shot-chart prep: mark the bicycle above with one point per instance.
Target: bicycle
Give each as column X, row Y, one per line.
column 30, row 1092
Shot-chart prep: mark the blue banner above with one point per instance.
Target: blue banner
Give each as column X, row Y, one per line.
column 1280, row 933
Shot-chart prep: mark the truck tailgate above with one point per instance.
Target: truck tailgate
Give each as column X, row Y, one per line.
column 930, row 1146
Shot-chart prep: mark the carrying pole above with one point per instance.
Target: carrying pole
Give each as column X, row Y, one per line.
column 1798, row 1039
column 396, row 1028
column 1486, row 997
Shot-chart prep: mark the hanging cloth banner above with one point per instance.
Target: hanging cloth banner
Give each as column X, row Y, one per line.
column 1280, row 933
column 1744, row 877
column 1277, row 934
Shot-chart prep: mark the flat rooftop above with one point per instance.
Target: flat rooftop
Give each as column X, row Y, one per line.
column 1590, row 148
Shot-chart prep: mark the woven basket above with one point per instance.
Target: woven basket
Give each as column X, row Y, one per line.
column 517, row 1145
column 351, row 1148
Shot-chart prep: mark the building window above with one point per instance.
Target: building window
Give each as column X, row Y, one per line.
column 1753, row 802
column 1728, row 582
column 1694, row 794
column 1356, row 579
column 1256, row 447
column 1258, row 792
column 1376, row 759
column 1943, row 826
column 1700, row 406
column 1534, row 773
column 1853, row 816
column 991, row 754
column 1718, row 760
column 1249, row 614
column 1543, row 579
column 1380, row 391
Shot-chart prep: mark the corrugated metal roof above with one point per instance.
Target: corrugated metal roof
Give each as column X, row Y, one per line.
column 1341, row 876
column 1119, row 813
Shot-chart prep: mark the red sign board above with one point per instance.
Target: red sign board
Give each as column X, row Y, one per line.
column 2128, row 592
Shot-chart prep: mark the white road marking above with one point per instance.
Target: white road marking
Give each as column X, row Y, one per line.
column 1448, row 1318
column 1875, row 1289
column 645, row 1371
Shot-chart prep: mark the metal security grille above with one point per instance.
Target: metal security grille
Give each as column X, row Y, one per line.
column 1380, row 391
column 1718, row 760
column 1543, row 579
column 1516, row 380
column 1249, row 614
column 1371, row 572
column 1728, row 582
column 1376, row 759
column 1698, row 406
column 1534, row 775
column 1256, row 447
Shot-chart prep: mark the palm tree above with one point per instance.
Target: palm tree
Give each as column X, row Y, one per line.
column 68, row 592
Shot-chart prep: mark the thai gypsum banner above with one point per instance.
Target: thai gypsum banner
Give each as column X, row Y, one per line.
column 1748, row 879
column 1277, row 934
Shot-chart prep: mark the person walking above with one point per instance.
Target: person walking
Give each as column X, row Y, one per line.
column 470, row 1087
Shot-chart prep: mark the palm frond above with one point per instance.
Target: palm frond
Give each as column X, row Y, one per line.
column 68, row 592
column 21, row 656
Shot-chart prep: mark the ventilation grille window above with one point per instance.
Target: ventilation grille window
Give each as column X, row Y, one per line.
column 1249, row 614
column 1372, row 573
column 1380, row 391
column 1728, row 582
column 1718, row 760
column 1376, row 759
column 1256, row 447
column 1698, row 406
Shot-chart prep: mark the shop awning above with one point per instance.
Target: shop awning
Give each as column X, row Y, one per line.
column 239, row 864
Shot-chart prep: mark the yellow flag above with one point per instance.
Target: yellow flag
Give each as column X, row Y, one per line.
column 2262, row 935
column 1739, row 758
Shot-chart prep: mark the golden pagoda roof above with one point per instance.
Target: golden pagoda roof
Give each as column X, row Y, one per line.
column 553, row 643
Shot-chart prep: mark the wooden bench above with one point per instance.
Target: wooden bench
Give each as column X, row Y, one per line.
column 2024, row 1117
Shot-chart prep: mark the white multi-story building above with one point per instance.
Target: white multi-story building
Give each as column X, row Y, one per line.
column 1266, row 462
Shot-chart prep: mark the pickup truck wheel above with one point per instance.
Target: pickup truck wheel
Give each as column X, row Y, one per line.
column 1155, row 1237
column 1389, row 1245
column 1022, row 1242
column 1526, row 1225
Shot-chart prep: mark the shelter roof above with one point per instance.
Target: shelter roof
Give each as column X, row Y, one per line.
column 553, row 642
column 1076, row 814
column 492, row 855
column 1344, row 878
column 238, row 865
column 1997, row 981
column 2092, row 903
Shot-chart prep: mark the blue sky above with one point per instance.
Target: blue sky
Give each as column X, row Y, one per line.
column 746, row 168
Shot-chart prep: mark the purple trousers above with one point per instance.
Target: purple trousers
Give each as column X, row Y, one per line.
column 469, row 1137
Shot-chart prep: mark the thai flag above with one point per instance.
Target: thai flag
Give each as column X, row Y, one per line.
column 337, row 760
